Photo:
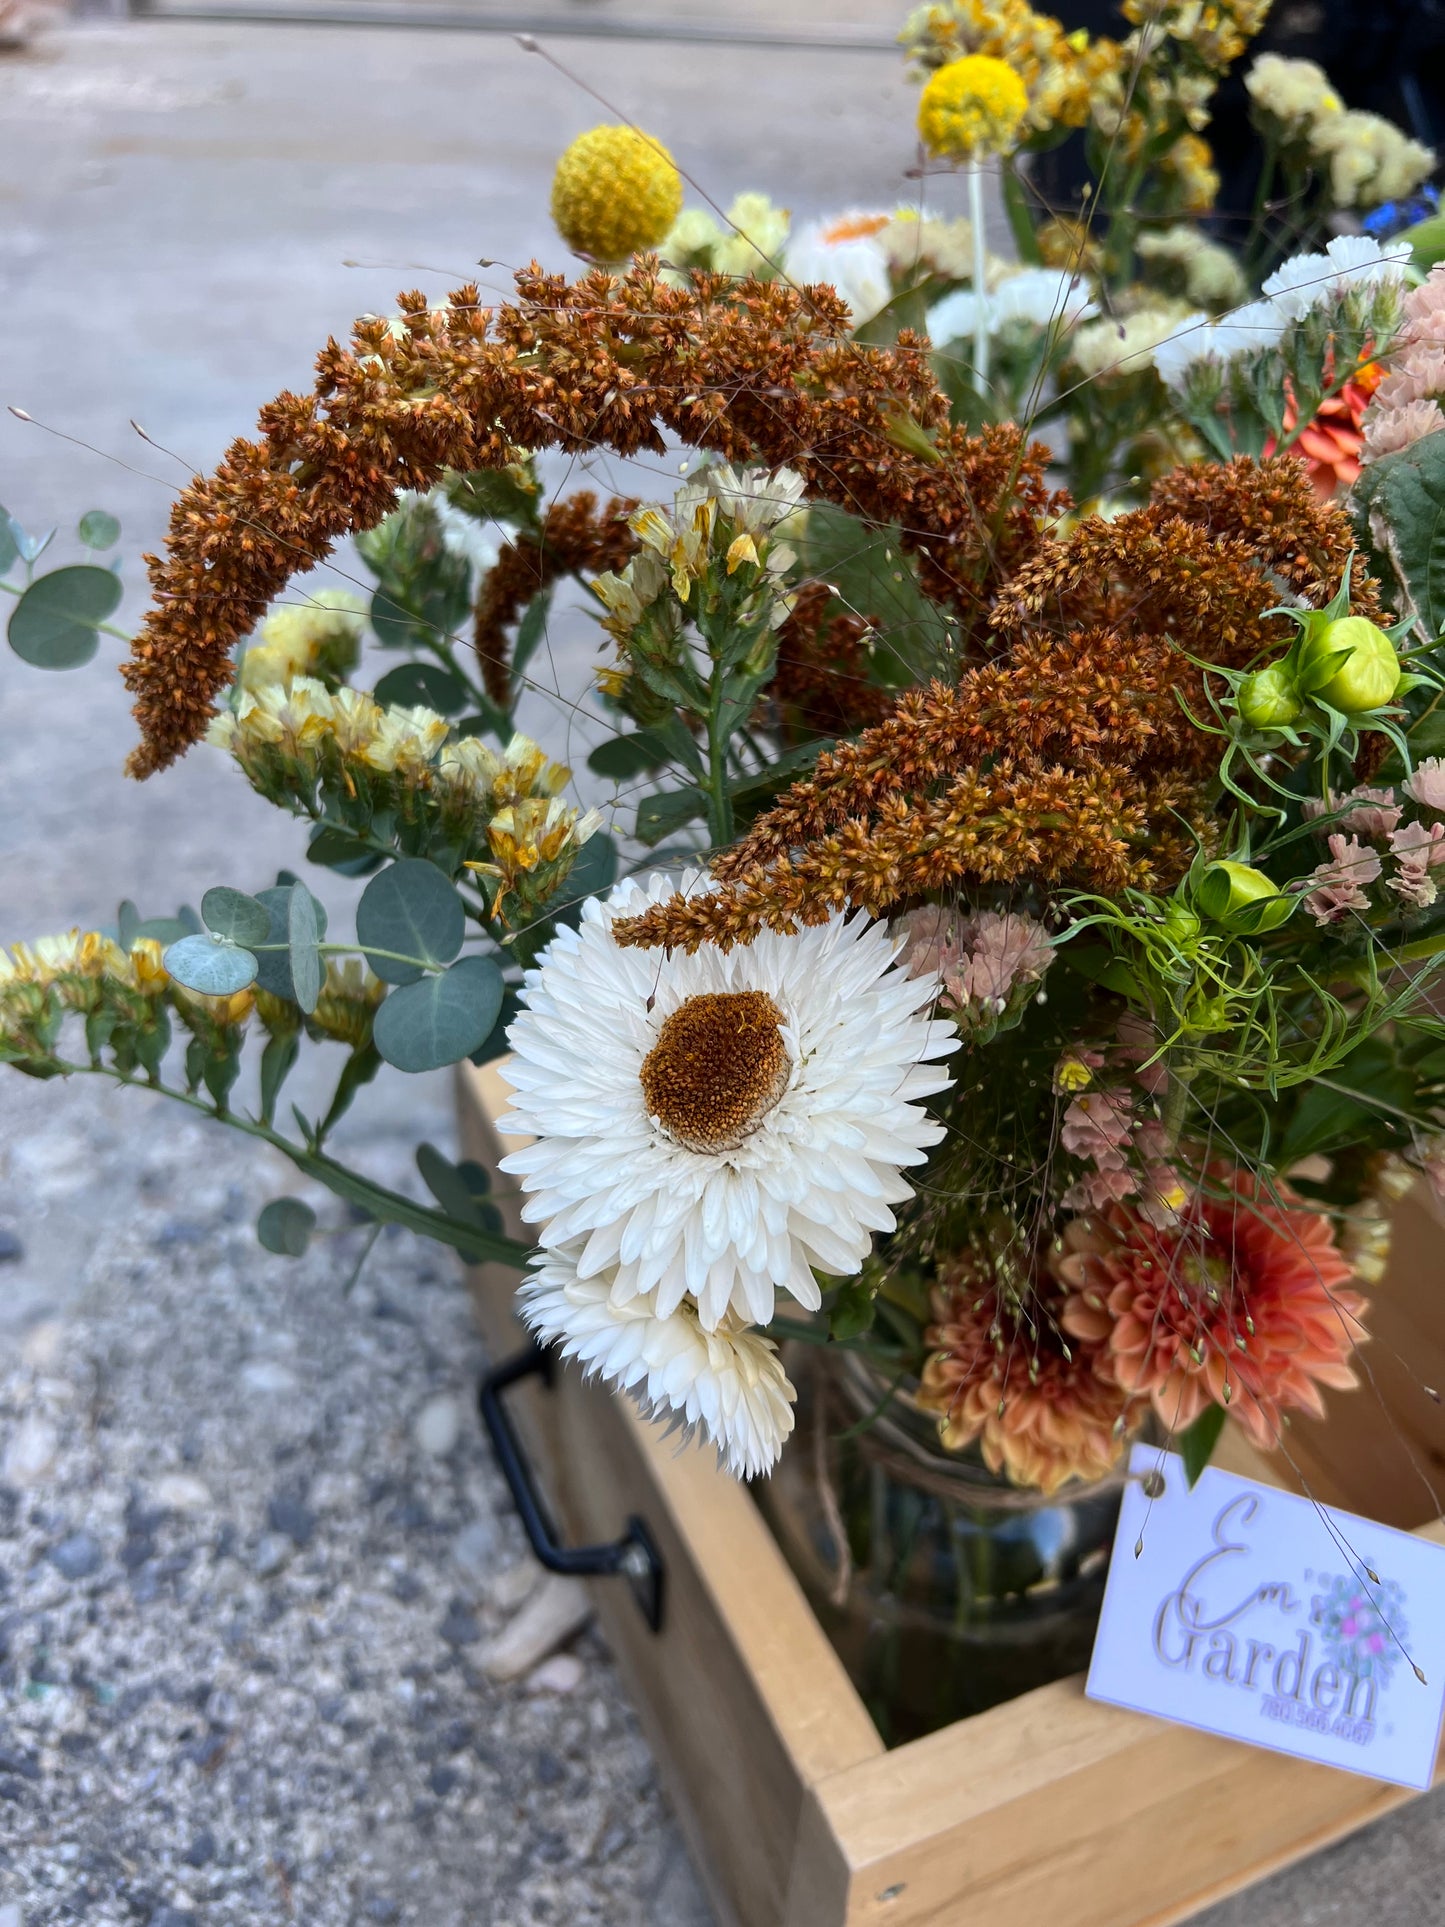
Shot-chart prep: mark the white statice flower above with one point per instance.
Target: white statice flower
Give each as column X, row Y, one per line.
column 711, row 1127
column 695, row 232
column 1297, row 93
column 321, row 631
column 1250, row 330
column 755, row 499
column 1203, row 272
column 1351, row 261
column 729, row 1383
column 846, row 253
column 1115, row 345
column 1370, row 159
column 1039, row 297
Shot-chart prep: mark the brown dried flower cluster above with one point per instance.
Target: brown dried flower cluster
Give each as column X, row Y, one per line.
column 820, row 685
column 1066, row 760
column 576, row 537
column 752, row 371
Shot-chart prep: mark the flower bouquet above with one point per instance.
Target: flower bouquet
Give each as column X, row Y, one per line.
column 992, row 993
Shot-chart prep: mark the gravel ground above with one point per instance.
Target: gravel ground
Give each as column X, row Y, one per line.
column 252, row 1554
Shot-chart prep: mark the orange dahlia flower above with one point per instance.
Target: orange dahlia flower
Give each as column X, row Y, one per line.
column 1243, row 1304
column 1330, row 445
column 1039, row 1408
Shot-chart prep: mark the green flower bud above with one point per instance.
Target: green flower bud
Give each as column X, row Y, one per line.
column 1180, row 922
column 1367, row 676
column 1241, row 896
column 1268, row 699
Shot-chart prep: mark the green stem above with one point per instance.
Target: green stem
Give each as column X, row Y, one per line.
column 719, row 801
column 980, row 279
column 387, row 1207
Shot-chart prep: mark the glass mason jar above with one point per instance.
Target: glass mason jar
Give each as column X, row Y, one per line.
column 944, row 1588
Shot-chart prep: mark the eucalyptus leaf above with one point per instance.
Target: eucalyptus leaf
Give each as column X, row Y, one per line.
column 277, row 1061
column 214, row 969
column 162, row 930
column 53, row 625
column 594, row 868
column 127, row 924
column 422, row 685
column 460, row 1189
column 436, row 1021
column 1399, row 511
column 285, row 1226
column 32, row 547
column 494, row 1044
column 302, row 938
column 338, row 850
column 233, row 915
column 273, row 973
column 623, row 757
column 659, row 815
column 9, row 547
column 411, row 909
column 99, row 529
column 358, row 1070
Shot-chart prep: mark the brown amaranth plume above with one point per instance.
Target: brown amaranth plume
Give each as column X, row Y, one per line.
column 1069, row 759
column 749, row 370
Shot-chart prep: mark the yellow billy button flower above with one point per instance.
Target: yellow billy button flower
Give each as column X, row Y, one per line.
column 615, row 191
column 1359, row 661
column 972, row 108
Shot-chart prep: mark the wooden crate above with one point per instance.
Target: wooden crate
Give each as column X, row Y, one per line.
column 1046, row 1810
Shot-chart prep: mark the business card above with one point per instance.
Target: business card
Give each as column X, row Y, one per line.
column 1264, row 1617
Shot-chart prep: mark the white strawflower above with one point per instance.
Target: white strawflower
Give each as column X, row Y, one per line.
column 728, row 1382
column 847, row 254
column 713, row 1126
column 1038, row 296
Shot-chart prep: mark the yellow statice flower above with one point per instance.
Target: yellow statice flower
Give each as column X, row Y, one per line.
column 318, row 637
column 1183, row 262
column 347, row 1003
column 615, row 191
column 226, row 1012
column 683, row 538
column 1116, row 345
column 972, row 108
column 1295, row 93
column 1189, row 167
column 496, row 778
column 532, row 845
column 1369, row 159
column 1216, row 32
column 754, row 244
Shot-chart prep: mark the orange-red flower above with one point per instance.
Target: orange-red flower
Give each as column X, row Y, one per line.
column 1329, row 446
column 1039, row 1407
column 1243, row 1303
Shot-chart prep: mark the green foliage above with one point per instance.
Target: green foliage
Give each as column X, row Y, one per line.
column 285, row 1226
column 233, row 917
column 530, row 632
column 411, row 909
column 423, row 685
column 494, row 1044
column 303, row 937
column 439, row 1020
column 211, row 968
column 273, row 958
column 623, row 757
column 1399, row 512
column 1196, row 1442
column 98, row 529
column 460, row 1189
column 876, row 579
column 54, row 624
column 852, row 1312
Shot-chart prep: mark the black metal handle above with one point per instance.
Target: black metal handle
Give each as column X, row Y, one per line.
column 634, row 1555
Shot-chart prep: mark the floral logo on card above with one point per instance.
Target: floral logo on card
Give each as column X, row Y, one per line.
column 1364, row 1627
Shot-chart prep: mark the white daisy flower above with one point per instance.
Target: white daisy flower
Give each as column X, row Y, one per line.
column 713, row 1126
column 1042, row 297
column 730, row 1383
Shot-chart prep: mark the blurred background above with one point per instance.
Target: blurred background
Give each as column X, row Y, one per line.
column 254, row 1563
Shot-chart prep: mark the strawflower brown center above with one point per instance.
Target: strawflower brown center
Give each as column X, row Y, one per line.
column 718, row 1067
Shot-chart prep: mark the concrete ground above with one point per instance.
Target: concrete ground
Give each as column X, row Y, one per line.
column 244, row 1599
